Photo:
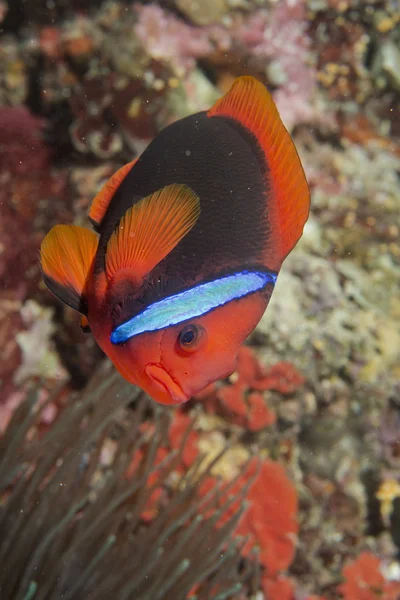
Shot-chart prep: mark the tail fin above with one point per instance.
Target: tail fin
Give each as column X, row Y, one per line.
column 249, row 103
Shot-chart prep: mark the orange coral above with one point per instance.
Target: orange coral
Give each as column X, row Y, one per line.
column 364, row 580
column 178, row 428
column 180, row 424
column 242, row 401
column 277, row 589
column 150, row 509
column 282, row 377
column 259, row 416
column 270, row 521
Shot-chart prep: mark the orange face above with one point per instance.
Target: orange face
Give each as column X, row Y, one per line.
column 178, row 362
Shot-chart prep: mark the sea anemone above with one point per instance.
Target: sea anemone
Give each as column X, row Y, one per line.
column 72, row 522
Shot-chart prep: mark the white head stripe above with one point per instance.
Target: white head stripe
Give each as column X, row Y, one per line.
column 195, row 302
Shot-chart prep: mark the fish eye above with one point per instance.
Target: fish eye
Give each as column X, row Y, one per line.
column 190, row 338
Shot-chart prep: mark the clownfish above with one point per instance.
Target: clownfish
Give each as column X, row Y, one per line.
column 188, row 242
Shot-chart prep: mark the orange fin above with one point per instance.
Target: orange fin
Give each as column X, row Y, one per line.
column 249, row 102
column 66, row 256
column 85, row 324
column 150, row 229
column 101, row 202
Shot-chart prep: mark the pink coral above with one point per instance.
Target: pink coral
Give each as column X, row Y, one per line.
column 289, row 43
column 273, row 41
column 281, row 39
column 22, row 147
column 166, row 37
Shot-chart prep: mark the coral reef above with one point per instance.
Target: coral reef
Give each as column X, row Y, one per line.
column 83, row 88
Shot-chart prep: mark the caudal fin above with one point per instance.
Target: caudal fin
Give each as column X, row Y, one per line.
column 249, row 103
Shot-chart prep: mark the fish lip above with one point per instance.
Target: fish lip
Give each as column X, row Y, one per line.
column 163, row 379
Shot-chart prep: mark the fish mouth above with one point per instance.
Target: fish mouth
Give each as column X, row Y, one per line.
column 164, row 382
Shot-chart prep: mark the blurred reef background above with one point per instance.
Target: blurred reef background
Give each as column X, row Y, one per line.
column 309, row 425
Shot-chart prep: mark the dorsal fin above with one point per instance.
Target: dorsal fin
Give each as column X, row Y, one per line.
column 249, row 103
column 66, row 257
column 100, row 203
column 150, row 229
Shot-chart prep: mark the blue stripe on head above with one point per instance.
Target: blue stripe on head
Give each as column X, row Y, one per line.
column 195, row 302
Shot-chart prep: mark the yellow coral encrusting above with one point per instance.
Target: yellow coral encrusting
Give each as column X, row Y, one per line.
column 388, row 491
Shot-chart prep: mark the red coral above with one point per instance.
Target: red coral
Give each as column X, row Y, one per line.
column 260, row 416
column 50, row 42
column 282, row 377
column 277, row 589
column 249, row 368
column 151, row 506
column 26, row 182
column 364, row 580
column 242, row 401
column 20, row 200
column 247, row 410
column 238, row 402
column 231, row 398
column 177, row 430
column 22, row 147
column 270, row 520
column 180, row 424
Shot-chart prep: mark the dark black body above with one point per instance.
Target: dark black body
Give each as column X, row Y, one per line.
column 223, row 163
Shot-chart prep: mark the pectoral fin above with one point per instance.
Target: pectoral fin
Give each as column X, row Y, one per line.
column 151, row 229
column 66, row 255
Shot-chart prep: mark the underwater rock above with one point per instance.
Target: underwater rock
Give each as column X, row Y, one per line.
column 10, row 324
column 387, row 61
column 202, row 12
column 13, row 75
column 194, row 94
column 39, row 358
